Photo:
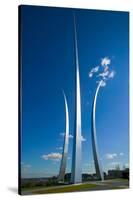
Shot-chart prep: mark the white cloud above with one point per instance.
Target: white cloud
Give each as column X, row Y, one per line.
column 25, row 167
column 104, row 71
column 114, row 164
column 127, row 165
column 110, row 156
column 87, row 164
column 104, row 74
column 90, row 74
column 62, row 134
column 83, row 139
column 93, row 70
column 59, row 148
column 111, row 74
column 70, row 135
column 106, row 68
column 28, row 166
column 52, row 156
column 105, row 61
column 103, row 84
column 121, row 154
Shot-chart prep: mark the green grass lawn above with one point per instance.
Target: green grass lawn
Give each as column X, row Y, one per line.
column 71, row 188
column 98, row 185
column 32, row 188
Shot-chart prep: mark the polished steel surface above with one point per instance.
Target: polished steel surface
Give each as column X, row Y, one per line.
column 65, row 146
column 76, row 176
column 97, row 163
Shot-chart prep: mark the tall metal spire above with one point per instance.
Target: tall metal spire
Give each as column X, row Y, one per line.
column 65, row 146
column 97, row 163
column 76, row 176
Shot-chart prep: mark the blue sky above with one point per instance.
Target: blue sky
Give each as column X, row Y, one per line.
column 47, row 52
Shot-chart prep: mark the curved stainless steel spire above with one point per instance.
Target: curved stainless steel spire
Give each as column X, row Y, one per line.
column 97, row 163
column 76, row 176
column 65, row 146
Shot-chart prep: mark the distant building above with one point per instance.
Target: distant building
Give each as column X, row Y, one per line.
column 115, row 173
column 87, row 177
column 125, row 173
column 105, row 175
column 119, row 173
